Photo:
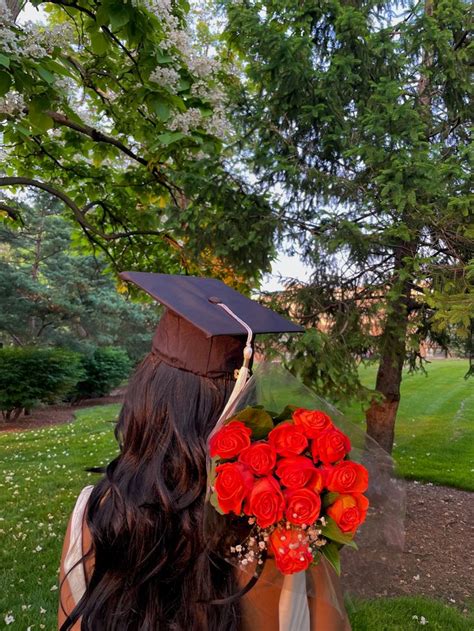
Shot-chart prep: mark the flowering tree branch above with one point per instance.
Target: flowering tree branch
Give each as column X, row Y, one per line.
column 79, row 213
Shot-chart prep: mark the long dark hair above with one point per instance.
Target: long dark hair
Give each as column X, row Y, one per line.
column 153, row 569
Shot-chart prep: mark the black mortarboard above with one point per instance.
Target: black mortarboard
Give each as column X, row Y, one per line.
column 196, row 333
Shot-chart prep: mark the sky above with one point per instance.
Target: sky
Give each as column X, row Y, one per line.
column 30, row 13
column 284, row 266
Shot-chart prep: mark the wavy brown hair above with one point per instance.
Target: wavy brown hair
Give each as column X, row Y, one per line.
column 153, row 566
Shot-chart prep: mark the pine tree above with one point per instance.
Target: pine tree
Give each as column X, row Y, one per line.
column 52, row 295
column 355, row 117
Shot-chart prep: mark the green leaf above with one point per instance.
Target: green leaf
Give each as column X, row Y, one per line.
column 99, row 43
column 119, row 16
column 259, row 421
column 170, row 137
column 46, row 75
column 5, row 82
column 4, row 61
column 23, row 130
column 331, row 552
column 286, row 414
column 332, row 531
column 163, row 59
column 329, row 498
column 161, row 108
column 37, row 115
column 102, row 17
column 58, row 68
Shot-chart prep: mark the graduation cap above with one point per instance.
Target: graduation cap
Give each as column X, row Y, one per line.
column 207, row 326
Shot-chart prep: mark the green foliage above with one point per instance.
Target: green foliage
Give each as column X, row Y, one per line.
column 258, row 419
column 361, row 122
column 112, row 108
column 104, row 370
column 30, row 375
column 53, row 295
column 331, row 552
column 332, row 531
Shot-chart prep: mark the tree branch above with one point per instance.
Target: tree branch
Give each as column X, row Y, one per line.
column 99, row 136
column 79, row 213
column 11, row 212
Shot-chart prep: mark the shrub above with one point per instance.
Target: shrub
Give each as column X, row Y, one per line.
column 104, row 370
column 29, row 376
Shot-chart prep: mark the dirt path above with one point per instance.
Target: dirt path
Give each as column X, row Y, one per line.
column 437, row 559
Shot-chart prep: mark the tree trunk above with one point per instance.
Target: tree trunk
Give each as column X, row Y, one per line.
column 382, row 413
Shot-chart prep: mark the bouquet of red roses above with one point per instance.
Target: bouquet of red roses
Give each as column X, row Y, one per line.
column 290, row 477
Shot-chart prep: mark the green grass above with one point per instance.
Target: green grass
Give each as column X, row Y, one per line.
column 434, row 436
column 42, row 472
column 407, row 614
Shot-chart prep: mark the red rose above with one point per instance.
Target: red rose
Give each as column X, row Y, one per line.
column 233, row 485
column 349, row 511
column 290, row 559
column 325, row 471
column 302, row 506
column 229, row 441
column 330, row 446
column 295, row 472
column 287, row 439
column 260, row 457
column 265, row 502
column 317, row 482
column 348, row 477
column 312, row 422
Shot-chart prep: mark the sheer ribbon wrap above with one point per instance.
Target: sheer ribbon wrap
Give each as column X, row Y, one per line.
column 317, row 598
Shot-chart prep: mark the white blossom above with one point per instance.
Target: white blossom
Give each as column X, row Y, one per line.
column 9, row 619
column 202, row 66
column 5, row 13
column 218, row 124
column 166, row 77
column 12, row 103
column 186, row 121
column 9, row 39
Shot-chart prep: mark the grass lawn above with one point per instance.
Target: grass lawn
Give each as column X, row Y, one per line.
column 408, row 614
column 42, row 471
column 434, row 437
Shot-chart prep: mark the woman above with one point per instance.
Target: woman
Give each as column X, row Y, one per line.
column 135, row 556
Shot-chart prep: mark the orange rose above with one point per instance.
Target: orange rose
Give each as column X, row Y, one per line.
column 295, row 472
column 348, row 477
column 330, row 446
column 290, row 559
column 287, row 439
column 232, row 486
column 312, row 422
column 302, row 506
column 265, row 502
column 349, row 511
column 260, row 457
column 229, row 441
